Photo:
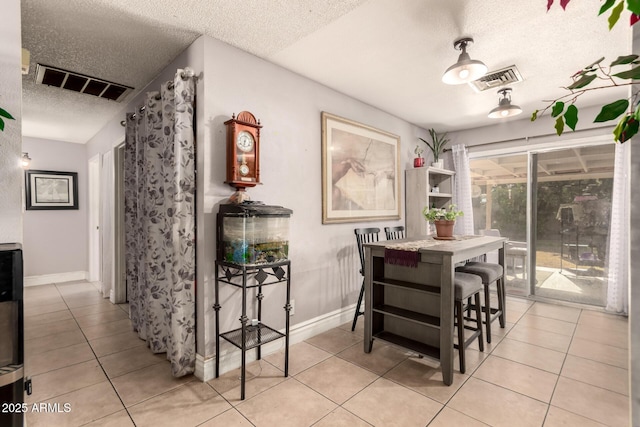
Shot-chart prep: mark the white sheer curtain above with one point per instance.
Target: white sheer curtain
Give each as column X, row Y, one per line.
column 462, row 191
column 618, row 258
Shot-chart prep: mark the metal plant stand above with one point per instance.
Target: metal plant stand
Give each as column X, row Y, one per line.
column 250, row 336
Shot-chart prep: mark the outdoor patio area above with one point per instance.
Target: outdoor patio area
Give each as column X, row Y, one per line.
column 573, row 283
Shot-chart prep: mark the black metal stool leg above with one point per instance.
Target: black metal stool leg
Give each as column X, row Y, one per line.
column 501, row 302
column 358, row 312
column 479, row 321
column 460, row 325
column 487, row 312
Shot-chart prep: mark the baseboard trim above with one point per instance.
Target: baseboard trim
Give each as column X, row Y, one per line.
column 230, row 358
column 46, row 279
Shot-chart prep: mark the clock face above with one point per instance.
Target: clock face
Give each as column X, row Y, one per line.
column 244, row 141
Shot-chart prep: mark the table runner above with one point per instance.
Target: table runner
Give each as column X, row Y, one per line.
column 406, row 254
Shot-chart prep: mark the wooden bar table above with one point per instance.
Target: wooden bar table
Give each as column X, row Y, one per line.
column 409, row 292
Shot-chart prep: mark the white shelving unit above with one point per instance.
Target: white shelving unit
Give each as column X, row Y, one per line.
column 419, row 183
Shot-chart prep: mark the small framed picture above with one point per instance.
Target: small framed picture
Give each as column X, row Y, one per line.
column 50, row 190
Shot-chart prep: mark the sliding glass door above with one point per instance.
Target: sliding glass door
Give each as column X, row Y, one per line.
column 573, row 208
column 499, row 196
column 562, row 197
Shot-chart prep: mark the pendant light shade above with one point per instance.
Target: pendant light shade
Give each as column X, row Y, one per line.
column 466, row 69
column 505, row 108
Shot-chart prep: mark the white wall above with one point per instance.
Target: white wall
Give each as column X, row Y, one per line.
column 56, row 241
column 10, row 143
column 324, row 258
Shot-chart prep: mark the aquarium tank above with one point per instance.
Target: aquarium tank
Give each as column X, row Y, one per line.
column 252, row 233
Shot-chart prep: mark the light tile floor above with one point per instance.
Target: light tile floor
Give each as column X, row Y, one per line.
column 551, row 366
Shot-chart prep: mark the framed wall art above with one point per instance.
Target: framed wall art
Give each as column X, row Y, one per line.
column 360, row 165
column 49, row 190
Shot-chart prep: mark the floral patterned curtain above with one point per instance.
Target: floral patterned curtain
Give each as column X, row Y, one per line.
column 160, row 222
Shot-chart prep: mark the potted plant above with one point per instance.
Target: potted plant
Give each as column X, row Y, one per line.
column 418, row 162
column 436, row 146
column 443, row 218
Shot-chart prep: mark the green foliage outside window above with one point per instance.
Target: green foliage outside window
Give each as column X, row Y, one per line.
column 509, row 205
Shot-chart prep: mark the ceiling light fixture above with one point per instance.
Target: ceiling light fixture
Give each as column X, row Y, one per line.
column 25, row 161
column 505, row 108
column 466, row 69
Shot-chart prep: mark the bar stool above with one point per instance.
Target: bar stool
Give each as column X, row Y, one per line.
column 467, row 286
column 394, row 233
column 489, row 273
column 363, row 235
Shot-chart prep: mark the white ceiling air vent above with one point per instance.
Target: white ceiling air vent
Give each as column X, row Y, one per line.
column 57, row 77
column 494, row 79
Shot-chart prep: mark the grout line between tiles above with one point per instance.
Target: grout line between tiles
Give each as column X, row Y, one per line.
column 224, row 412
column 343, row 408
column 455, row 410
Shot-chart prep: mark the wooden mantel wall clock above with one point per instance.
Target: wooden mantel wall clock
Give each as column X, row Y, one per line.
column 243, row 154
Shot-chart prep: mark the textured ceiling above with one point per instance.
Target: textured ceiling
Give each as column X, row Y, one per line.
column 388, row 53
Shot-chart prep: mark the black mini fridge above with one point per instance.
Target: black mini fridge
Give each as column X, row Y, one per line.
column 11, row 335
